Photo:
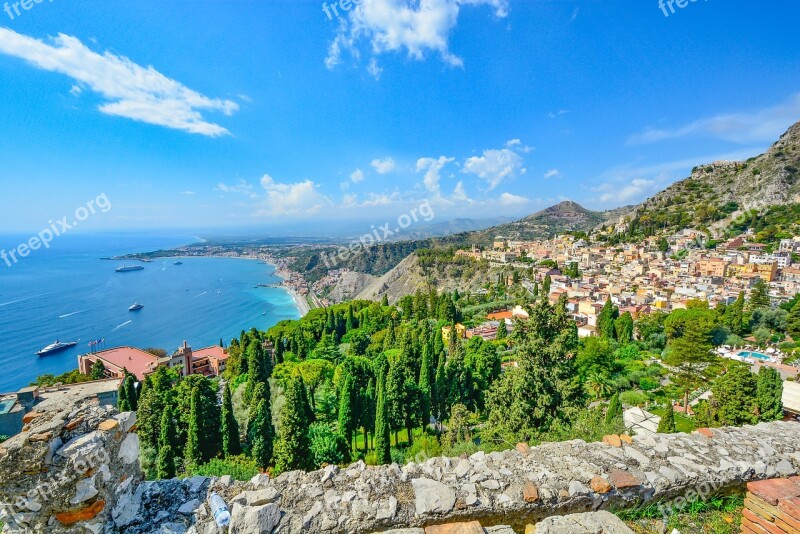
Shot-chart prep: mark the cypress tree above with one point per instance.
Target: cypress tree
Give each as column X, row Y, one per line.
column 382, row 432
column 425, row 386
column 346, row 419
column 130, row 391
column 614, row 408
column 292, row 446
column 231, row 445
column 385, row 300
column 793, row 322
column 192, row 454
column 770, row 393
column 667, row 423
column 166, row 442
column 123, row 400
column 260, row 432
column 546, row 286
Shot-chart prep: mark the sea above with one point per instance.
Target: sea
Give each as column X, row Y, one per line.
column 69, row 293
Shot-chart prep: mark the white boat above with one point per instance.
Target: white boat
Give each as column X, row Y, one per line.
column 58, row 346
column 136, row 306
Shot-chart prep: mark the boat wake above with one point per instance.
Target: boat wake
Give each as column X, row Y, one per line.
column 201, row 294
column 15, row 301
column 69, row 314
column 123, row 324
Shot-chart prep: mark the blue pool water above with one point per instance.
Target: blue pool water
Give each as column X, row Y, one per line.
column 6, row 405
column 68, row 293
column 756, row 355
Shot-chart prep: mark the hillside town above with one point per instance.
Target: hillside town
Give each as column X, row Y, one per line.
column 658, row 274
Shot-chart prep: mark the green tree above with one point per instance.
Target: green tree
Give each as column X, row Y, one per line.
column 735, row 395
column 346, row 417
column 157, row 394
column 130, row 392
column 231, row 444
column 260, row 432
column 123, row 400
column 546, row 386
column 614, row 408
column 292, row 448
column 327, row 445
column 98, row 370
column 605, row 321
column 382, row 430
column 667, row 423
column 546, row 285
column 623, row 327
column 734, row 315
column 166, row 446
column 759, row 295
column 193, row 454
column 689, row 334
column 770, row 393
column 793, row 322
column 426, row 379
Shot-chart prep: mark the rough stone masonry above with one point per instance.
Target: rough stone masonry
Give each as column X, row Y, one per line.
column 75, row 468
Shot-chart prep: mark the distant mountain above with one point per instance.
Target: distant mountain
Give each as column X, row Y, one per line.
column 720, row 191
column 567, row 216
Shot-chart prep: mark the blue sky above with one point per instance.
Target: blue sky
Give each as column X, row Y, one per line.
column 266, row 114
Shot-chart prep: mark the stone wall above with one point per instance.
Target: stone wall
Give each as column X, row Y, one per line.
column 74, row 460
column 514, row 487
column 75, row 469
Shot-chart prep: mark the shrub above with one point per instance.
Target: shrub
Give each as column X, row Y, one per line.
column 238, row 467
column 633, row 398
column 327, row 445
column 424, row 447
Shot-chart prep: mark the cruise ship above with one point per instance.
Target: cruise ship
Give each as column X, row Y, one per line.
column 129, row 268
column 58, row 346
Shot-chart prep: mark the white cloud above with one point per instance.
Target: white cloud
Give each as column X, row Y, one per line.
column 349, row 200
column 507, row 199
column 300, row 198
column 374, row 70
column 380, row 199
column 460, row 194
column 414, row 26
column 552, row 173
column 619, row 193
column 357, row 176
column 383, row 166
column 554, row 114
column 495, row 166
column 239, row 188
column 758, row 126
column 189, row 193
column 433, row 168
column 130, row 90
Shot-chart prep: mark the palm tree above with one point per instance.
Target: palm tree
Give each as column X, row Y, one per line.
column 599, row 384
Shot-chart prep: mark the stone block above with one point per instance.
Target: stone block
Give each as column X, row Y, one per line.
column 772, row 491
column 622, row 479
column 530, row 493
column 613, row 440
column 473, row 527
column 600, row 485
column 83, row 514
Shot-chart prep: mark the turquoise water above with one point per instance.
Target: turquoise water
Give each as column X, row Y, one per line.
column 68, row 293
column 756, row 355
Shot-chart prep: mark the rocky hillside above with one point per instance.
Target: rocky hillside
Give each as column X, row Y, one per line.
column 564, row 217
column 410, row 275
column 719, row 191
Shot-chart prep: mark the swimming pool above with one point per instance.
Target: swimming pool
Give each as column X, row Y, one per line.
column 6, row 405
column 756, row 355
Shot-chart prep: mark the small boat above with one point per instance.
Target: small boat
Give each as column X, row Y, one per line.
column 178, row 263
column 129, row 268
column 136, row 306
column 58, row 346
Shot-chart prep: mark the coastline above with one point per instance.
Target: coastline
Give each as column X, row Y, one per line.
column 288, row 281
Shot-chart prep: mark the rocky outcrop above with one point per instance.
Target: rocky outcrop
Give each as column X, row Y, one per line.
column 68, row 468
column 518, row 486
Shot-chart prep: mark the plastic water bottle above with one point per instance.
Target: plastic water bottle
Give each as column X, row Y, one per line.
column 220, row 510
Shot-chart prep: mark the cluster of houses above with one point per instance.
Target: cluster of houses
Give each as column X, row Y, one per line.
column 640, row 278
